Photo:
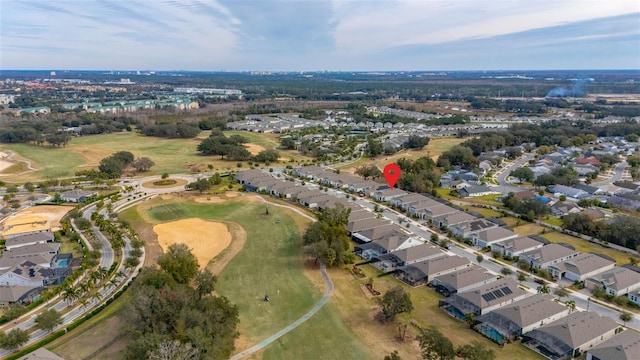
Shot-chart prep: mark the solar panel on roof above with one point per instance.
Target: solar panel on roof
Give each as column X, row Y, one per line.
column 506, row 290
column 497, row 293
column 486, row 297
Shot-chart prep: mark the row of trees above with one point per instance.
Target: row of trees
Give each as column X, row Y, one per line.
column 328, row 239
column 622, row 230
column 434, row 345
column 531, row 208
column 180, row 130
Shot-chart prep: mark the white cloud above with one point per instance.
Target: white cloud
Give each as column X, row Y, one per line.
column 362, row 29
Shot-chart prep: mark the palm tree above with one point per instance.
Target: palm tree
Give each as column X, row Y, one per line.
column 543, row 289
column 96, row 296
column 84, row 302
column 113, row 283
column 119, row 275
column 470, row 318
column 571, row 305
column 69, row 294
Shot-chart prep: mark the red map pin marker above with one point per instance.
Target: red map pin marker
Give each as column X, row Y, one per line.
column 391, row 172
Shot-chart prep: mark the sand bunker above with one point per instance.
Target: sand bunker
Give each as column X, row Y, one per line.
column 230, row 194
column 209, row 199
column 206, row 238
column 166, row 196
column 254, row 149
column 4, row 164
column 35, row 218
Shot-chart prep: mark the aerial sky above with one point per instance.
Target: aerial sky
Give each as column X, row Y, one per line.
column 312, row 35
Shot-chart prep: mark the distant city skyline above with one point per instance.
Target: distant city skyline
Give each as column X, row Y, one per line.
column 340, row 35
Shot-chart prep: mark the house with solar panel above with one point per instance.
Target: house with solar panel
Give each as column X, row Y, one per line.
column 483, row 299
column 510, row 322
column 463, row 280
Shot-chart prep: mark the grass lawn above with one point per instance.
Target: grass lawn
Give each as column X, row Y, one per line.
column 68, row 246
column 553, row 221
column 527, row 228
column 488, row 213
column 170, row 155
column 91, row 336
column 270, row 263
column 584, row 246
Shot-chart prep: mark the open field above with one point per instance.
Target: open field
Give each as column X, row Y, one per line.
column 170, row 155
column 35, row 218
column 270, row 263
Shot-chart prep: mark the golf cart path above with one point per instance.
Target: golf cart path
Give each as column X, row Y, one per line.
column 327, row 294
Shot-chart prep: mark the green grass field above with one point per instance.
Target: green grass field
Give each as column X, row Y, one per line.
column 584, row 246
column 270, row 263
column 170, row 155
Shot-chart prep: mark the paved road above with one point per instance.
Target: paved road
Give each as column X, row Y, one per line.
column 327, row 294
column 107, row 257
column 505, row 186
column 617, row 175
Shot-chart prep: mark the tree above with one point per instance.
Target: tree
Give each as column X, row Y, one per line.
column 416, row 142
column 374, row 147
column 14, row 339
column 14, row 311
column 434, row 345
column 201, row 185
column 625, row 317
column 179, row 262
column 523, row 174
column 29, row 187
column 174, row 350
column 205, row 282
column 571, row 304
column 143, row 164
column 475, row 351
column 393, row 356
column 368, row 171
column 522, row 276
column 506, row 271
column 470, row 319
column 267, row 156
column 395, row 301
column 328, row 238
column 48, row 320
column 543, row 289
column 480, row 258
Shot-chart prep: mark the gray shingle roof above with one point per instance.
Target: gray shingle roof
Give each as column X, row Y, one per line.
column 531, row 310
column 623, row 346
column 576, row 329
column 465, row 277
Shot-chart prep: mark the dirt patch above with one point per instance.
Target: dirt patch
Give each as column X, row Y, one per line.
column 166, row 196
column 206, row 238
column 151, row 185
column 35, row 218
column 231, row 194
column 4, row 164
column 254, row 149
column 209, row 199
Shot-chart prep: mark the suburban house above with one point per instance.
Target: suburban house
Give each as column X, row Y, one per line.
column 466, row 230
column 434, row 212
column 462, row 280
column 403, row 202
column 617, row 281
column 634, row 296
column 392, row 260
column 305, row 197
column 51, row 248
column 244, row 177
column 581, row 267
column 478, row 190
column 423, row 272
column 77, row 195
column 30, row 274
column 570, row 336
column 564, row 208
column 594, row 214
column 457, row 218
column 309, row 172
column 366, row 187
column 516, row 246
column 377, row 233
column 29, row 239
column 481, row 300
column 512, row 321
column 415, row 208
column 286, row 189
column 18, row 294
column 548, row 255
column 568, row 191
column 395, row 242
column 261, row 184
column 360, row 214
column 364, row 224
column 389, row 194
column 623, row 346
column 488, row 237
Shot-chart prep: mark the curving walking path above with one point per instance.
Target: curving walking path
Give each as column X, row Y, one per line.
column 264, row 343
column 327, row 294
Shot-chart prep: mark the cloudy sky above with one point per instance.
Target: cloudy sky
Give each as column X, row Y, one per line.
column 296, row 35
